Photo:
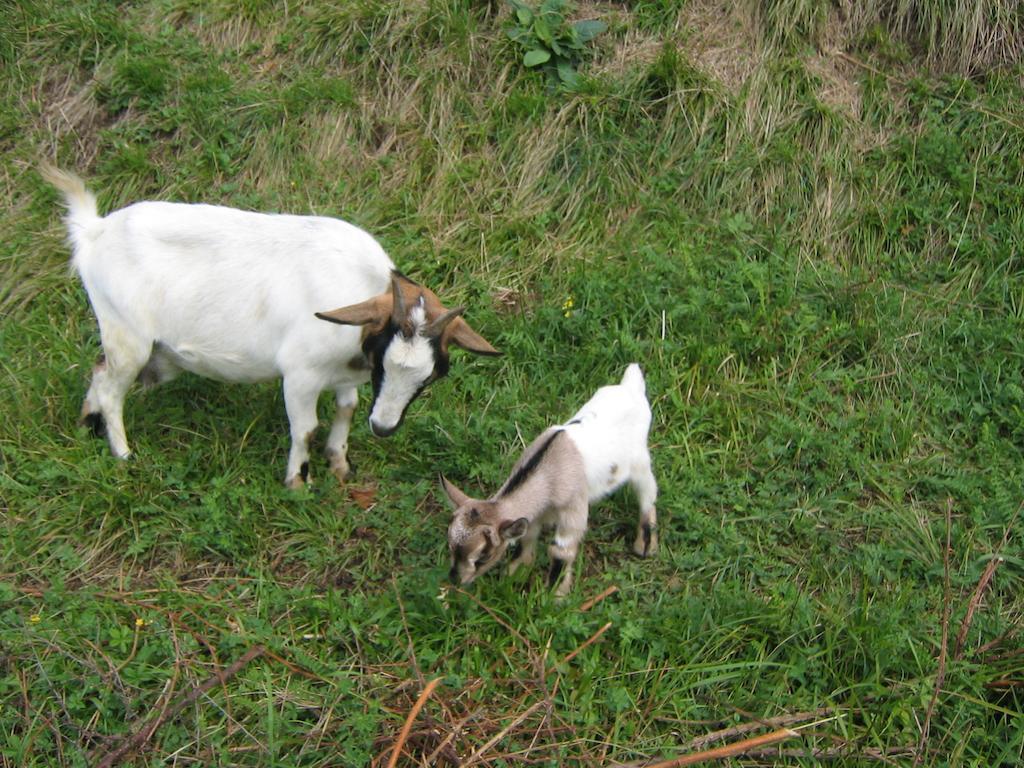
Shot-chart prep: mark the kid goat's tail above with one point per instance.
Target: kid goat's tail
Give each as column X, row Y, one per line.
column 634, row 379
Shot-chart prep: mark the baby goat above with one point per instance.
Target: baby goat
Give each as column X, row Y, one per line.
column 554, row 482
column 235, row 296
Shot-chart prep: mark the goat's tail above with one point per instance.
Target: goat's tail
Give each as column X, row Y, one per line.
column 634, row 379
column 80, row 202
column 83, row 215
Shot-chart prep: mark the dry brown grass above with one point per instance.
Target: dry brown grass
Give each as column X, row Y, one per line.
column 723, row 41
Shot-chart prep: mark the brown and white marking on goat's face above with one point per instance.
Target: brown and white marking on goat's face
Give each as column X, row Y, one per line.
column 477, row 538
column 406, row 335
column 477, row 542
column 402, row 364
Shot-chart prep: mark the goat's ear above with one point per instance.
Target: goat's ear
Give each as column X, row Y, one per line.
column 459, row 333
column 455, row 496
column 375, row 311
column 510, row 530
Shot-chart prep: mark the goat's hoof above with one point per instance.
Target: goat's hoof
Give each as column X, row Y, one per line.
column 295, row 483
column 341, row 470
column 640, row 549
column 95, row 422
column 646, row 544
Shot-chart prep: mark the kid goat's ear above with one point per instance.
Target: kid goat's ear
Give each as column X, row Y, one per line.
column 455, row 496
column 510, row 530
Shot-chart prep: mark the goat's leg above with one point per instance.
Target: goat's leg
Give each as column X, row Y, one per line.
column 337, row 441
column 569, row 532
column 646, row 488
column 91, row 415
column 300, row 396
column 527, row 548
column 158, row 369
column 125, row 354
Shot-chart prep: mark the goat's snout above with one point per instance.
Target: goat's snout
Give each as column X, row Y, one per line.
column 381, row 431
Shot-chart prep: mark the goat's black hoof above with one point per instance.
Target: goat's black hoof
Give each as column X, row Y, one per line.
column 555, row 571
column 646, row 543
column 95, row 423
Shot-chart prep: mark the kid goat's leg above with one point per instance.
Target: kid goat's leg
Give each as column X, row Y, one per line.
column 125, row 354
column 300, row 396
column 337, row 441
column 527, row 548
column 572, row 525
column 646, row 488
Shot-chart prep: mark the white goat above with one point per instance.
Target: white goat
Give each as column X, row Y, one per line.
column 554, row 482
column 235, row 296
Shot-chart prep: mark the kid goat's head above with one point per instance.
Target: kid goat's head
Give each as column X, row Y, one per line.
column 477, row 537
column 406, row 334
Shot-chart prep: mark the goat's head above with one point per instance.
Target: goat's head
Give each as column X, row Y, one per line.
column 406, row 336
column 477, row 536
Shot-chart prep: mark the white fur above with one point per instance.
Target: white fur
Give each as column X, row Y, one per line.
column 231, row 295
column 408, row 363
column 598, row 450
column 610, row 432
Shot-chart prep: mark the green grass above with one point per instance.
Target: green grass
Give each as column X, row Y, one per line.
column 806, row 226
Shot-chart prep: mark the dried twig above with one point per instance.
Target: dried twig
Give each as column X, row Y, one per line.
column 593, row 639
column 771, row 722
column 1004, row 685
column 291, row 666
column 453, row 732
column 729, row 750
column 835, row 753
column 504, row 731
column 940, row 674
column 409, row 720
column 587, row 605
column 982, row 584
column 145, row 733
column 979, row 590
column 972, row 606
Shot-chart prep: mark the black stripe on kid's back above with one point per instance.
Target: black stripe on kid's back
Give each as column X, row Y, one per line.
column 527, row 469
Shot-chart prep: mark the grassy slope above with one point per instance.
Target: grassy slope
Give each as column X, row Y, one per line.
column 811, row 241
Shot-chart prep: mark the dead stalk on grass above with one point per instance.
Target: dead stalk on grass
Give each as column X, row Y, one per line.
column 940, row 674
column 771, row 722
column 143, row 734
column 729, row 750
column 588, row 604
column 979, row 590
column 397, row 750
column 499, row 736
column 590, row 641
column 972, row 606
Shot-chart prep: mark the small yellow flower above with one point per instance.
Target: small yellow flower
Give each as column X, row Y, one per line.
column 35, row 618
column 140, row 622
column 567, row 306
